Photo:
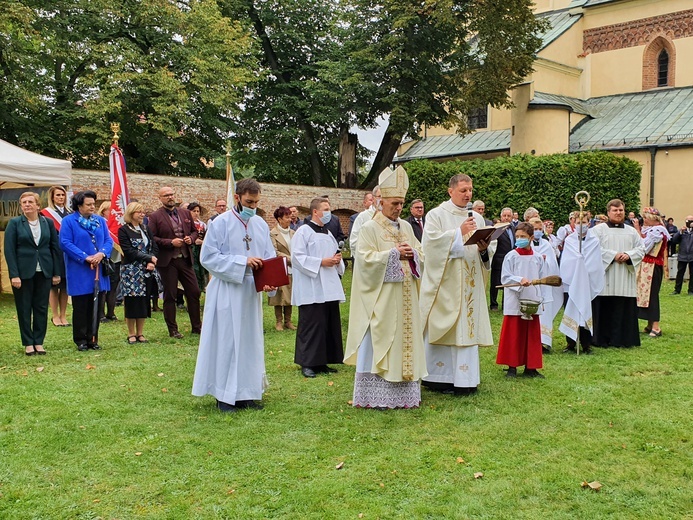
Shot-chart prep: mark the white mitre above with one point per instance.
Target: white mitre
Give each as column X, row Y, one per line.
column 393, row 183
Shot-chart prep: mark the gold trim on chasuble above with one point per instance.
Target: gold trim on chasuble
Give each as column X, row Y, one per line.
column 468, row 294
column 407, row 333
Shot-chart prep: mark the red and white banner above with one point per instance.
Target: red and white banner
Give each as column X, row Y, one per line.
column 120, row 196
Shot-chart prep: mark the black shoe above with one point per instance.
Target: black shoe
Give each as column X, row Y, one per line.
column 176, row 335
column 532, row 372
column 196, row 331
column 226, row 407
column 112, row 318
column 676, row 292
column 493, row 307
column 569, row 350
column 325, row 369
column 512, row 372
column 466, row 391
column 546, row 349
column 31, row 352
column 95, row 346
column 104, row 319
column 249, row 404
column 307, row 372
column 82, row 347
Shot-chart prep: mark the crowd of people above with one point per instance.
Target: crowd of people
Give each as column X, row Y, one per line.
column 418, row 309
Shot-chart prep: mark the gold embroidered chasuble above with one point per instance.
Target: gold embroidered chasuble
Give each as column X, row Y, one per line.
column 389, row 309
column 453, row 295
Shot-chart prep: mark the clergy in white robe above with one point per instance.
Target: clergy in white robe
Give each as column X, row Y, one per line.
column 541, row 245
column 317, row 291
column 615, row 311
column 385, row 339
column 231, row 357
column 582, row 272
column 453, row 296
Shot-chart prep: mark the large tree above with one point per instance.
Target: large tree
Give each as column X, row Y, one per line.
column 171, row 73
column 329, row 65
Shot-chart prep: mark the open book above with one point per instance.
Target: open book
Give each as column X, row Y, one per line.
column 487, row 232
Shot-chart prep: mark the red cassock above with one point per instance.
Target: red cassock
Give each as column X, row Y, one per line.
column 520, row 343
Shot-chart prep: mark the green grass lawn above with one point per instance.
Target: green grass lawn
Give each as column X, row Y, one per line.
column 116, row 434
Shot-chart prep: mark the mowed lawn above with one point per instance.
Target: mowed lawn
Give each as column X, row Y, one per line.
column 116, row 434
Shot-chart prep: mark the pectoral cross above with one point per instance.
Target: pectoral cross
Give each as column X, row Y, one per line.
column 247, row 241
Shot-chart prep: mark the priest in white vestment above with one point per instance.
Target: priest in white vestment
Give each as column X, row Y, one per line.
column 582, row 272
column 453, row 296
column 385, row 339
column 615, row 310
column 231, row 357
column 317, row 291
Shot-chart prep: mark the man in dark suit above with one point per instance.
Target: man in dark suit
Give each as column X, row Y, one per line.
column 480, row 207
column 505, row 244
column 174, row 232
column 416, row 218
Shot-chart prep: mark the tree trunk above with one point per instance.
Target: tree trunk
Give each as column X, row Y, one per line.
column 317, row 166
column 383, row 159
column 346, row 167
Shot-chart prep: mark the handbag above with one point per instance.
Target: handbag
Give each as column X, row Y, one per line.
column 107, row 267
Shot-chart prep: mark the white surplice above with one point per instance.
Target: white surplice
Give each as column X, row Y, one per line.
column 583, row 278
column 453, row 299
column 620, row 278
column 551, row 308
column 313, row 283
column 360, row 220
column 231, row 357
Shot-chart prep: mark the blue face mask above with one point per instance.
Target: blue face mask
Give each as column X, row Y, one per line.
column 246, row 213
column 522, row 242
column 326, row 217
column 538, row 233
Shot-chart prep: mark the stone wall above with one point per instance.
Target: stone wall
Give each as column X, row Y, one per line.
column 145, row 187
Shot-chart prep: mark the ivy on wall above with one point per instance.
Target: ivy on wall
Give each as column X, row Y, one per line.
column 546, row 182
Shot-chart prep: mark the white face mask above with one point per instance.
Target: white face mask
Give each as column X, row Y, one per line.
column 326, row 217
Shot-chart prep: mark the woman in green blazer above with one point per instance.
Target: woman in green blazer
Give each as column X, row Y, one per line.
column 33, row 253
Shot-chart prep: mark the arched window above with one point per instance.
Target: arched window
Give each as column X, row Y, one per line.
column 659, row 63
column 663, row 69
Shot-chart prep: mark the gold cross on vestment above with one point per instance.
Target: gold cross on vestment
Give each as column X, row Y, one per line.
column 247, row 241
column 464, row 368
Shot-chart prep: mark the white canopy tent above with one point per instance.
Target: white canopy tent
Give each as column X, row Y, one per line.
column 20, row 168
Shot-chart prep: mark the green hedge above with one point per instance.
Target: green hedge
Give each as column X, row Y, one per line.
column 547, row 182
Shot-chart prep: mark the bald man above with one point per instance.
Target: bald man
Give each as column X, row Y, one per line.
column 174, row 232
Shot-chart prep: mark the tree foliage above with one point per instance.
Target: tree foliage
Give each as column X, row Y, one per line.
column 169, row 72
column 546, row 182
column 329, row 65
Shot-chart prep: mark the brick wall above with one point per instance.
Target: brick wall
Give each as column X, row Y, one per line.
column 145, row 187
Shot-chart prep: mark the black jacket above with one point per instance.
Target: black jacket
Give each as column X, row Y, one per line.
column 23, row 254
column 418, row 232
column 685, row 239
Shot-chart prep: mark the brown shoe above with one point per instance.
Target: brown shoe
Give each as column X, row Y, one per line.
column 279, row 326
column 288, row 325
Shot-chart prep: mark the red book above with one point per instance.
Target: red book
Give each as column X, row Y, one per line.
column 273, row 272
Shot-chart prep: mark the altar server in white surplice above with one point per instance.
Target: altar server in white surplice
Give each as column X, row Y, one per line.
column 453, row 297
column 582, row 272
column 317, row 291
column 541, row 245
column 385, row 339
column 231, row 357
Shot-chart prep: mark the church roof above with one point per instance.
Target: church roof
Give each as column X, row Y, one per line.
column 559, row 22
column 590, row 3
column 656, row 118
column 455, row 145
column 660, row 118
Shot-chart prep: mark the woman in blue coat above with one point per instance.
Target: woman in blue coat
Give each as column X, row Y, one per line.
column 85, row 240
column 33, row 262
